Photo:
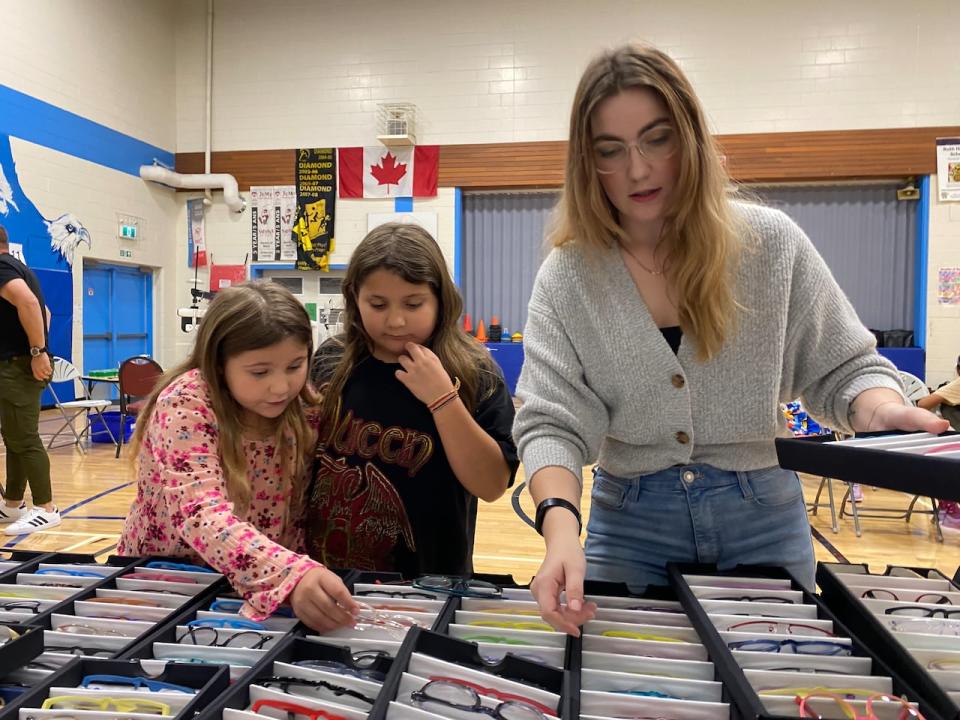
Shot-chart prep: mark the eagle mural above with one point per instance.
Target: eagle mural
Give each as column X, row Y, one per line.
column 66, row 232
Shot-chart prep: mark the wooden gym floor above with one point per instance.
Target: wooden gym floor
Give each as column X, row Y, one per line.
column 94, row 491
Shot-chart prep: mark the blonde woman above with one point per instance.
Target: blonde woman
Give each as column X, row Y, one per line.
column 222, row 457
column 664, row 328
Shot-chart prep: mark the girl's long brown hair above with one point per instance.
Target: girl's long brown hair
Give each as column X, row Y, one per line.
column 700, row 231
column 409, row 252
column 249, row 316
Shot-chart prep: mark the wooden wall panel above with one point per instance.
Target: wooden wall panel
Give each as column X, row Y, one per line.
column 761, row 157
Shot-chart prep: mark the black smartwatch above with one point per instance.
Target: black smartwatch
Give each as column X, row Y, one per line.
column 552, row 503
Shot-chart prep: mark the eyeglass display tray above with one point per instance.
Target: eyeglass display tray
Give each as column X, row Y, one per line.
column 848, row 606
column 745, row 701
column 884, row 460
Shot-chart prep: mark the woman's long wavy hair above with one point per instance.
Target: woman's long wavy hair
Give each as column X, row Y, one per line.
column 249, row 316
column 700, row 231
column 409, row 252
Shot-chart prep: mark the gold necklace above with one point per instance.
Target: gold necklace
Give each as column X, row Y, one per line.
column 641, row 264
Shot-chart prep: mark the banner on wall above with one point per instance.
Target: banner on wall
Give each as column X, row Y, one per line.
column 948, row 169
column 196, row 234
column 271, row 217
column 948, row 286
column 314, row 224
column 382, row 172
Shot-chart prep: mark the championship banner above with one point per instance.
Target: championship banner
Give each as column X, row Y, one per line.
column 196, row 242
column 316, row 196
column 271, row 214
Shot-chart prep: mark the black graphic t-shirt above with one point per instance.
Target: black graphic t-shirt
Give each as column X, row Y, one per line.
column 384, row 496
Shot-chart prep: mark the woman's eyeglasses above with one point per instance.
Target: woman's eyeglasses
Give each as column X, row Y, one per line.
column 491, row 692
column 320, row 688
column 449, row 585
column 238, row 624
column 123, row 601
column 951, row 665
column 82, row 629
column 790, row 628
column 465, row 698
column 161, row 577
column 395, row 594
column 28, row 606
column 799, row 647
column 71, row 573
column 234, row 606
column 750, row 598
column 945, row 628
column 498, row 639
column 655, row 145
column 81, row 650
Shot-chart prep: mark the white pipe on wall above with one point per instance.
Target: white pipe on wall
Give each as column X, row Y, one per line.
column 204, row 181
column 209, row 97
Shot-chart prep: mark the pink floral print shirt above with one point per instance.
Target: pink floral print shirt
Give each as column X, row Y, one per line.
column 182, row 508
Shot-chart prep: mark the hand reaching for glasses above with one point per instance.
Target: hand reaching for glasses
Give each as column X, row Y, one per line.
column 563, row 569
column 322, row 601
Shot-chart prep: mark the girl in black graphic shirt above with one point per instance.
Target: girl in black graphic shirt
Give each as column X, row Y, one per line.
column 416, row 418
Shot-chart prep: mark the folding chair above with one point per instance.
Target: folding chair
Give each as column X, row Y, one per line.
column 64, row 371
column 137, row 377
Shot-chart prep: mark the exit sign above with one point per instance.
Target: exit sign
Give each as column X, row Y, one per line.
column 129, row 227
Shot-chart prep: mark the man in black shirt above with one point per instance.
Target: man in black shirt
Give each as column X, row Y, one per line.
column 25, row 370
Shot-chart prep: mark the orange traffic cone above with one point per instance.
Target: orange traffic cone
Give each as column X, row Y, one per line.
column 467, row 324
column 481, row 332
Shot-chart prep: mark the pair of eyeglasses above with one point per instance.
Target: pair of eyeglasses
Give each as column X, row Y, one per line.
column 790, row 628
column 799, row 647
column 27, row 606
column 228, row 605
column 313, row 688
column 813, row 670
column 846, row 693
column 294, row 711
column 395, row 594
column 498, row 639
column 339, row 668
column 95, row 681
column 944, row 628
column 923, row 612
column 645, row 693
column 513, row 625
column 750, row 598
column 905, row 712
column 450, row 585
column 238, row 624
column 655, row 608
column 82, row 629
column 85, row 702
column 193, row 660
column 211, row 637
column 507, row 611
column 639, row 636
column 184, row 567
column 655, row 145
column 530, row 657
column 906, row 596
column 71, row 573
column 456, row 694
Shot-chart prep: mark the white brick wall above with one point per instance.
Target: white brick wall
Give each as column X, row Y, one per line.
column 943, row 321
column 502, row 71
column 110, row 61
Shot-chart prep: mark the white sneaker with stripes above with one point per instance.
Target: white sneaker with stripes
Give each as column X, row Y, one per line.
column 36, row 519
column 12, row 514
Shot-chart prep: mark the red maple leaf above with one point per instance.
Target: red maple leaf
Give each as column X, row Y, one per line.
column 388, row 172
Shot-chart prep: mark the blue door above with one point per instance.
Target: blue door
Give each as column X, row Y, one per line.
column 117, row 315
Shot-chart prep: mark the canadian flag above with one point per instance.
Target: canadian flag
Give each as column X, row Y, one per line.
column 380, row 172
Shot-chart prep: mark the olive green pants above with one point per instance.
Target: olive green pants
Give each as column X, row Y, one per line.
column 27, row 460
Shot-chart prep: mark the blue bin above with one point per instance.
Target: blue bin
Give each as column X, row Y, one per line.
column 111, row 418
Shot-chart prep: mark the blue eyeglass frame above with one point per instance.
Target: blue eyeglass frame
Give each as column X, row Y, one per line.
column 228, row 605
column 71, row 573
column 227, row 623
column 135, row 682
column 186, row 567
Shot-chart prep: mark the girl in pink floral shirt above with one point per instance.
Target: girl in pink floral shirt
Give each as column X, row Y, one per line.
column 222, row 457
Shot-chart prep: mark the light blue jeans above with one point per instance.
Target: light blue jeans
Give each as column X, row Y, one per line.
column 697, row 513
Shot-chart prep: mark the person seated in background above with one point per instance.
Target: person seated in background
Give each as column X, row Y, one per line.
column 946, row 399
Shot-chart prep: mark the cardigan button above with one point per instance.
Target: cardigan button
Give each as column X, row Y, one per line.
column 682, row 437
column 678, row 381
